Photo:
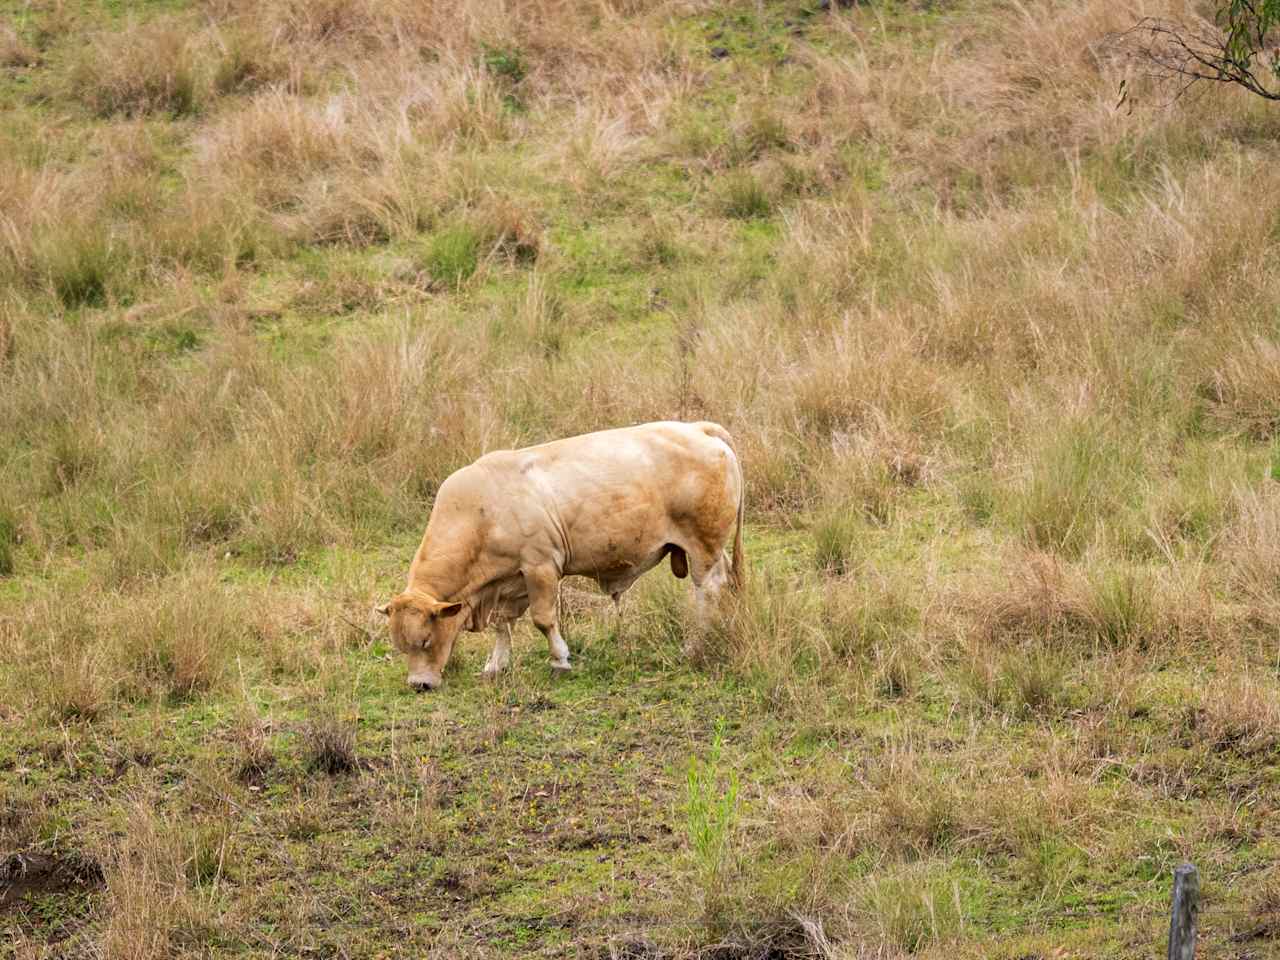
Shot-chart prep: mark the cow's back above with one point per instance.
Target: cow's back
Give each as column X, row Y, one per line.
column 615, row 499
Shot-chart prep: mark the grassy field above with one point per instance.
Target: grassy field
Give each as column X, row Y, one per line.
column 1001, row 356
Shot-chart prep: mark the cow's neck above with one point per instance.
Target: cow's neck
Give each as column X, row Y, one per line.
column 436, row 579
column 448, row 576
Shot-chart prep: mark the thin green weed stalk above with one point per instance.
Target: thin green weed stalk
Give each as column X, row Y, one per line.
column 711, row 815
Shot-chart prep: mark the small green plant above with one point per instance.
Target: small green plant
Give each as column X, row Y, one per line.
column 916, row 907
column 507, row 63
column 1123, row 608
column 711, row 812
column 1037, row 682
column 8, row 540
column 207, row 851
column 453, row 256
column 80, row 265
column 744, row 197
column 977, row 496
column 835, row 541
column 761, row 132
column 540, row 316
column 1081, row 479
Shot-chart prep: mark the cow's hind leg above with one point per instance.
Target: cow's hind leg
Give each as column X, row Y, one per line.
column 501, row 655
column 709, row 572
column 544, row 589
column 616, row 597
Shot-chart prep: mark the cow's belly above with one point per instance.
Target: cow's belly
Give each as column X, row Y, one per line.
column 616, row 562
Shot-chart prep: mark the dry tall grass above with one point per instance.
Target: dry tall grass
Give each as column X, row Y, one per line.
column 1000, row 360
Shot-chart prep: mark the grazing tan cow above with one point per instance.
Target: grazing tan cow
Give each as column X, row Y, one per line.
column 608, row 505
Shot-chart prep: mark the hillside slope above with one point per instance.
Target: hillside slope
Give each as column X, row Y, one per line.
column 1000, row 352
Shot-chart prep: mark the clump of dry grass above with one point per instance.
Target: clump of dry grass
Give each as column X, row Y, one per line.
column 918, row 814
column 927, row 333
column 1046, row 606
column 1237, row 712
column 329, row 742
column 167, row 640
column 1079, row 484
column 835, row 540
column 1198, row 505
column 365, row 166
column 275, row 141
column 14, row 51
column 1251, row 549
column 148, row 68
column 152, row 874
column 1243, row 388
column 1024, row 681
column 914, row 906
column 176, row 639
column 866, row 474
column 74, row 685
column 56, row 672
column 9, row 314
column 1265, row 920
column 537, row 318
column 59, row 231
column 1107, row 607
column 250, row 58
column 1043, row 598
column 10, row 536
column 848, row 382
column 767, row 630
column 250, row 734
column 595, row 149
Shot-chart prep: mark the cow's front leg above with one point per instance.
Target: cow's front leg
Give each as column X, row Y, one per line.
column 500, row 657
column 543, row 585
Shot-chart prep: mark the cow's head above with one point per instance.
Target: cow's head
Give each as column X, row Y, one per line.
column 423, row 629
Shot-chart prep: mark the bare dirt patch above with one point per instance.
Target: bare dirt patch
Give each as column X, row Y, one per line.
column 24, row 874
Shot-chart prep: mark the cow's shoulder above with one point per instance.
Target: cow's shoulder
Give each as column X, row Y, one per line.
column 505, row 463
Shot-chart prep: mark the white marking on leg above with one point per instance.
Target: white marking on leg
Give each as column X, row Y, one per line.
column 559, row 649
column 500, row 656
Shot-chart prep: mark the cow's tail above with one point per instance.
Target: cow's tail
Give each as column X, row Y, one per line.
column 737, row 571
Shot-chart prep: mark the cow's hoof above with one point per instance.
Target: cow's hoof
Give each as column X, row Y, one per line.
column 489, row 674
column 561, row 666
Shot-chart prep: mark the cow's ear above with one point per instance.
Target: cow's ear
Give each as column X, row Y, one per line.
column 449, row 610
column 385, row 609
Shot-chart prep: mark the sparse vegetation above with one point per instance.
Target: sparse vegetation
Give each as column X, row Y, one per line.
column 1000, row 360
column 330, row 743
column 711, row 812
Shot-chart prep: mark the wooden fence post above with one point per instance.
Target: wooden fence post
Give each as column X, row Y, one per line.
column 1186, row 910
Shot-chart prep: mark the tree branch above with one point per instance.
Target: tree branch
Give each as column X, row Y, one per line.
column 1170, row 50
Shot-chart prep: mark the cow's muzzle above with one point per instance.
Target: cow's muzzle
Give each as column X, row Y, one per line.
column 423, row 684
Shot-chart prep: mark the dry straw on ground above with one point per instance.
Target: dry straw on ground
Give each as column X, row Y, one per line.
column 999, row 359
